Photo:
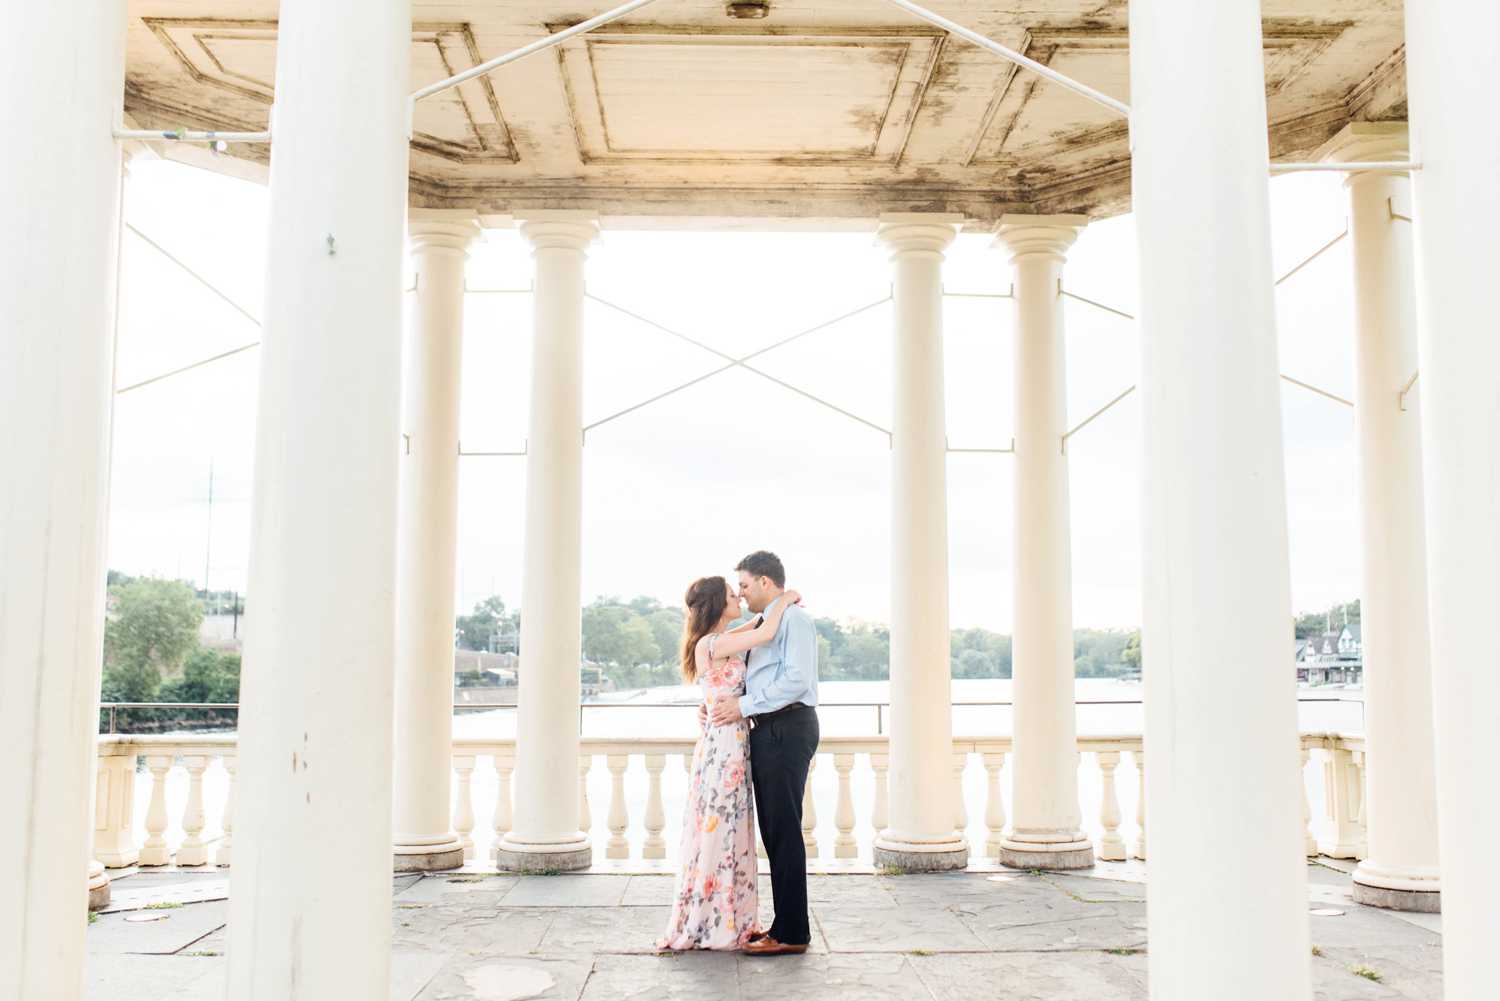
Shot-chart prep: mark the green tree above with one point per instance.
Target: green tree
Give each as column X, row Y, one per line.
column 151, row 629
column 1131, row 655
column 489, row 618
column 207, row 676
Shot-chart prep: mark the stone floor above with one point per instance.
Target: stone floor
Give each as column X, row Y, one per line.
column 588, row 937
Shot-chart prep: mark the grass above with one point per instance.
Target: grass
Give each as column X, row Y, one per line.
column 203, row 952
column 891, row 870
column 1125, row 952
column 163, row 905
column 1366, row 972
column 93, row 917
column 411, row 907
column 1317, row 950
column 923, row 952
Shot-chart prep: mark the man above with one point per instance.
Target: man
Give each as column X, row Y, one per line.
column 781, row 691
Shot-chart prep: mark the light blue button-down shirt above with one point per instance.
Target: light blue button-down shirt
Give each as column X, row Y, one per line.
column 784, row 670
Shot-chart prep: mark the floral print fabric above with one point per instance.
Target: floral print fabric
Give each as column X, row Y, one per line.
column 716, row 903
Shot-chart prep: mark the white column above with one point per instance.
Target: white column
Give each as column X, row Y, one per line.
column 427, row 541
column 921, row 835
column 1046, row 822
column 62, row 65
column 546, row 834
column 1401, row 869
column 1221, row 732
column 312, row 873
column 1452, row 50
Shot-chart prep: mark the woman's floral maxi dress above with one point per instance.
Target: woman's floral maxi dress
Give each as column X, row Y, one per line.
column 716, row 903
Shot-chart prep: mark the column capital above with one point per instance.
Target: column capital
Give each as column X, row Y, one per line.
column 1038, row 234
column 1368, row 142
column 560, row 229
column 442, row 229
column 917, row 232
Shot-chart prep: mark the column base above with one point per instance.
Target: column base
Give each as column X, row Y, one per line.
column 1393, row 891
column 98, row 887
column 428, row 858
column 909, row 856
column 1051, row 855
column 522, row 857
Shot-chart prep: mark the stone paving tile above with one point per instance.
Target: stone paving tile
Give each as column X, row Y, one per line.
column 177, row 928
column 650, row 891
column 999, row 930
column 457, row 890
column 1332, row 981
column 577, row 930
column 855, row 929
column 1032, row 976
column 153, row 978
column 567, row 891
column 850, row 891
column 691, row 976
column 1096, row 889
column 1412, row 971
column 509, row 978
column 413, row 969
column 869, row 977
column 496, row 931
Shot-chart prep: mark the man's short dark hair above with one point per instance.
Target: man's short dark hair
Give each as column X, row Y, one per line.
column 764, row 564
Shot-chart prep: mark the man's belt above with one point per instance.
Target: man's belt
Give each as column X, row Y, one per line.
column 760, row 717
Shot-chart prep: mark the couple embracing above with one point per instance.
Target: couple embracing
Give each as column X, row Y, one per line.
column 760, row 732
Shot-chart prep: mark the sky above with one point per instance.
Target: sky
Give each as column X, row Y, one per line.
column 686, row 486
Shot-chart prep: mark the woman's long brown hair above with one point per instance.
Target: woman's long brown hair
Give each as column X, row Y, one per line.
column 705, row 602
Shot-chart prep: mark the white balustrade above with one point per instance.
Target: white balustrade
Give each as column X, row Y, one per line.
column 655, row 846
column 463, row 803
column 643, row 812
column 1310, row 843
column 619, row 816
column 193, row 850
column 225, row 849
column 994, row 803
column 810, row 812
column 844, row 844
column 1111, row 845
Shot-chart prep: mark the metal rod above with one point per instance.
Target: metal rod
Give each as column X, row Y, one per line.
column 492, row 454
column 735, row 362
column 1314, row 255
column 1390, row 206
column 1118, row 107
column 526, row 50
column 187, row 136
column 659, row 396
column 200, row 279
column 188, row 368
column 1339, row 168
column 979, row 295
column 1091, row 417
column 1314, row 389
column 986, row 451
column 813, row 330
column 1401, row 397
column 1097, row 305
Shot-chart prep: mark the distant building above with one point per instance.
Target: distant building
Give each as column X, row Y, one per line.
column 1331, row 658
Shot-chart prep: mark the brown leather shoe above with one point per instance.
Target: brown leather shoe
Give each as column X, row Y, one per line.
column 756, row 936
column 768, row 946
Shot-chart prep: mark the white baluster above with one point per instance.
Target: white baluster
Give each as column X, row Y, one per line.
column 810, row 813
column 994, row 803
column 114, row 811
column 619, row 815
column 585, row 817
column 960, row 809
column 1357, row 797
column 1310, row 843
column 844, row 845
column 1341, row 804
column 193, row 851
column 654, row 847
column 1111, row 845
column 504, row 765
column 225, row 851
column 155, row 851
column 1140, row 805
column 463, row 803
column 880, row 814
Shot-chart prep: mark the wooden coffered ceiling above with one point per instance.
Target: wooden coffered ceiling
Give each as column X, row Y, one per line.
column 830, row 110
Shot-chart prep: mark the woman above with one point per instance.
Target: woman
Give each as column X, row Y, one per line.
column 716, row 903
